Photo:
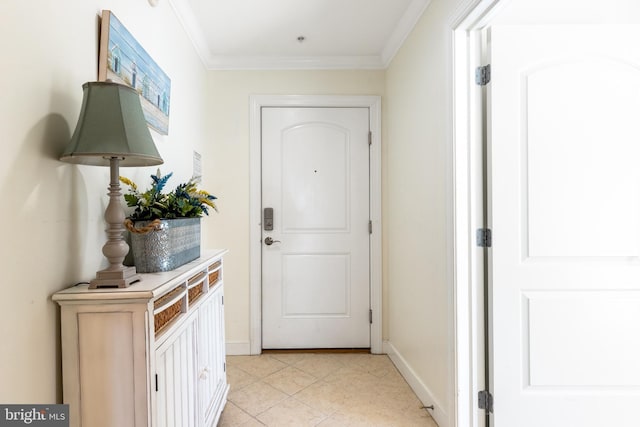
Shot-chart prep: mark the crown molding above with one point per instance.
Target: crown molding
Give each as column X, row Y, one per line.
column 187, row 19
column 294, row 63
column 406, row 24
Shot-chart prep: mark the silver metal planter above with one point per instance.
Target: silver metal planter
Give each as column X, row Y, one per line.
column 172, row 243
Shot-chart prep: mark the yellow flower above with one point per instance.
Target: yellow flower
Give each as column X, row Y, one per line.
column 128, row 182
column 209, row 202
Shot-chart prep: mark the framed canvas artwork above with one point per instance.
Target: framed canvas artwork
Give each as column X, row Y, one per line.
column 123, row 60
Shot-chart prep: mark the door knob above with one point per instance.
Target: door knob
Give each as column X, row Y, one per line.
column 269, row 241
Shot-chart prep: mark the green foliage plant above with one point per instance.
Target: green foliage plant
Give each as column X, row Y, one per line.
column 186, row 201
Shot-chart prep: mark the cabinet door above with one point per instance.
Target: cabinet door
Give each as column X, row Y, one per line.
column 176, row 373
column 211, row 357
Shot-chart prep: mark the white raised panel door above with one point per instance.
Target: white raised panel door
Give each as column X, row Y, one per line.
column 176, row 373
column 565, row 214
column 315, row 278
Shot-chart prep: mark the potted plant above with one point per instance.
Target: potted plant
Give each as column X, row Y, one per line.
column 165, row 226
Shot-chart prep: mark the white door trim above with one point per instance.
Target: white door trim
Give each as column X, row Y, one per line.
column 256, row 103
column 468, row 282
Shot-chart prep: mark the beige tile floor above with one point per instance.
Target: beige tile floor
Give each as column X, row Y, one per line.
column 319, row 389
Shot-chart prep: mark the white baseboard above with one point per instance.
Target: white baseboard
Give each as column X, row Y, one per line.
column 420, row 389
column 238, row 348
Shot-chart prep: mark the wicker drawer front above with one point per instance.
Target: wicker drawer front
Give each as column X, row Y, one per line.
column 215, row 270
column 167, row 308
column 213, row 278
column 196, row 287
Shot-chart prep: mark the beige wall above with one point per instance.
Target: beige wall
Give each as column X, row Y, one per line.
column 418, row 204
column 52, row 211
column 227, row 163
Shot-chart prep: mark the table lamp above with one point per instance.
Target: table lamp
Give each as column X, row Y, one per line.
column 112, row 131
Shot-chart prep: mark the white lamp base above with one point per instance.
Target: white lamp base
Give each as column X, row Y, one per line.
column 115, row 279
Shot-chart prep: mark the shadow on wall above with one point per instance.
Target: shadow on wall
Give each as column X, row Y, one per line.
column 35, row 176
column 37, row 215
column 70, row 185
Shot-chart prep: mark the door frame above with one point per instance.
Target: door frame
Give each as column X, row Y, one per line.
column 256, row 103
column 469, row 369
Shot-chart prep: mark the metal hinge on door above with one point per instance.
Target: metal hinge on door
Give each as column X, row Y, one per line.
column 370, row 138
column 485, row 400
column 370, row 316
column 370, row 227
column 156, row 382
column 483, row 237
column 483, row 75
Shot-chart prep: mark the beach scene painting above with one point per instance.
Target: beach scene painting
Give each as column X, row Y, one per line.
column 124, row 61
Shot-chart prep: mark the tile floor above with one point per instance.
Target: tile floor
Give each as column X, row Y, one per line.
column 319, row 389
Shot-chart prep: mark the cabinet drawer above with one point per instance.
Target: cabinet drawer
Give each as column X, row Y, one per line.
column 215, row 273
column 167, row 308
column 196, row 286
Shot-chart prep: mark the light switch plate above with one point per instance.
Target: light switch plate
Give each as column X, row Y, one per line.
column 197, row 164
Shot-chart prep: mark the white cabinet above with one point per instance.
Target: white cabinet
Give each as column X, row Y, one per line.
column 211, row 358
column 175, row 371
column 148, row 355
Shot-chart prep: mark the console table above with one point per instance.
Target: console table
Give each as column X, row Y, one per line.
column 148, row 355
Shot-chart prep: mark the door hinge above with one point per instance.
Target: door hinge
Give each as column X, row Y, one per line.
column 370, row 227
column 370, row 138
column 224, row 367
column 370, row 316
column 485, row 401
column 222, row 299
column 156, row 382
column 483, row 75
column 483, row 237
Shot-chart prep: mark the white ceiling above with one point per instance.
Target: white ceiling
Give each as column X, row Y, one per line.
column 263, row 34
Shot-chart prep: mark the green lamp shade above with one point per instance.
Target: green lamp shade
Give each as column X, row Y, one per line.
column 111, row 125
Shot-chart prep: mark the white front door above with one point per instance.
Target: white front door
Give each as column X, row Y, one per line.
column 565, row 215
column 315, row 276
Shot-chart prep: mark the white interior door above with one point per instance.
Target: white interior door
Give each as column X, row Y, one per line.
column 315, row 276
column 565, row 214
